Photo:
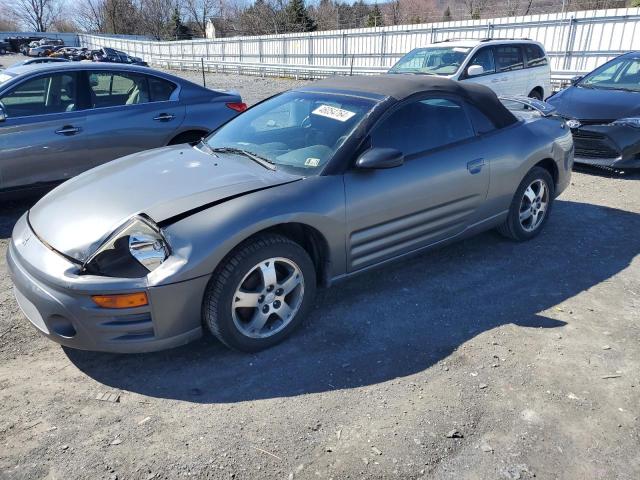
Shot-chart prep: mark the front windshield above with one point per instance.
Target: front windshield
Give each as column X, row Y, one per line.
column 297, row 130
column 432, row 60
column 619, row 74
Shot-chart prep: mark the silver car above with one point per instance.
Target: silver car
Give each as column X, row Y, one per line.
column 58, row 120
column 307, row 188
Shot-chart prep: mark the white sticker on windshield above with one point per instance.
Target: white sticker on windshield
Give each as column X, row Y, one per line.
column 334, row 113
column 312, row 162
column 461, row 49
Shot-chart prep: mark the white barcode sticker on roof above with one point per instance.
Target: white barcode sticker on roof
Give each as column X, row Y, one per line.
column 333, row 112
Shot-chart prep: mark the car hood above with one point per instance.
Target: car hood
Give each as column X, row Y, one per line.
column 76, row 217
column 595, row 104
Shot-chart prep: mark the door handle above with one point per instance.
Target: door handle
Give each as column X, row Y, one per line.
column 474, row 166
column 68, row 130
column 164, row 117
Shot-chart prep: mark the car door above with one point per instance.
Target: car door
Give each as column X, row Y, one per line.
column 42, row 137
column 130, row 112
column 435, row 195
column 484, row 58
column 510, row 72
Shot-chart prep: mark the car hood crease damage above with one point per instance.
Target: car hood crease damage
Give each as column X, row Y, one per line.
column 162, row 184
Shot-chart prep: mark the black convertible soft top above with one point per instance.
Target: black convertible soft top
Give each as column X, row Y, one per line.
column 401, row 86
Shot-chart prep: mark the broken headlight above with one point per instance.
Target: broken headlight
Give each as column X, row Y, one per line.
column 133, row 250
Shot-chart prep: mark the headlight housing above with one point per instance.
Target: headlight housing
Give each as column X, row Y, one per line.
column 132, row 251
column 630, row 122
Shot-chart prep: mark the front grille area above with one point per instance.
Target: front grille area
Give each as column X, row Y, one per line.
column 592, row 145
column 128, row 327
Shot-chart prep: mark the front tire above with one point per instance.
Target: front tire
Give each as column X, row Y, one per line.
column 260, row 293
column 530, row 207
column 536, row 94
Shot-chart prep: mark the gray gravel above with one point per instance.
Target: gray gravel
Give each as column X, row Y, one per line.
column 482, row 360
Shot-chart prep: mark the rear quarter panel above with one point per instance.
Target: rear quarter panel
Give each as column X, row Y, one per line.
column 207, row 112
column 518, row 149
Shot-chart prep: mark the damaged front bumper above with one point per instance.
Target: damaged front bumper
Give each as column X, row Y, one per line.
column 613, row 146
column 56, row 298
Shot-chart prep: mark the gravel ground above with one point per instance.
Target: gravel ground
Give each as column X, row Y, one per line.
column 526, row 355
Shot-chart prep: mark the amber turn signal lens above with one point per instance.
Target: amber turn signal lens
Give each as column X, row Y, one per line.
column 126, row 300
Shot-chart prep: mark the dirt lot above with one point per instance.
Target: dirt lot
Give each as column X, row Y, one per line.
column 531, row 352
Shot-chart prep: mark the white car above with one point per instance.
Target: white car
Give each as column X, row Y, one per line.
column 508, row 67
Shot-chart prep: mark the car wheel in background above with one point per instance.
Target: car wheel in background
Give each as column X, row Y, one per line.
column 188, row 137
column 260, row 293
column 530, row 207
column 535, row 93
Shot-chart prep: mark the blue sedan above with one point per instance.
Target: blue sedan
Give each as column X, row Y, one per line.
column 60, row 119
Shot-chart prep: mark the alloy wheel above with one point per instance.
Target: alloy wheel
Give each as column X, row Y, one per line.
column 534, row 204
column 268, row 297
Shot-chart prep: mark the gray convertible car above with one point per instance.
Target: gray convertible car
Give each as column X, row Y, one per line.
column 309, row 187
column 60, row 119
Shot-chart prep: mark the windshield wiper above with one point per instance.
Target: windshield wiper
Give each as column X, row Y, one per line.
column 256, row 158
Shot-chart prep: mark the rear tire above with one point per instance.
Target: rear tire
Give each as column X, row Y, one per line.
column 188, row 137
column 530, row 207
column 260, row 293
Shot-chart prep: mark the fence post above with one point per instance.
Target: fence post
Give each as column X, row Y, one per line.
column 344, row 48
column 571, row 37
column 260, row 49
column 383, row 48
column 284, row 49
column 310, row 50
column 489, row 30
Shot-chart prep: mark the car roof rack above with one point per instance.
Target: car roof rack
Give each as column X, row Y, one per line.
column 481, row 40
column 499, row 38
column 455, row 39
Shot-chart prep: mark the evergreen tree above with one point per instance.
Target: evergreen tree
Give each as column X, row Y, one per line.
column 298, row 18
column 179, row 30
column 374, row 19
column 446, row 17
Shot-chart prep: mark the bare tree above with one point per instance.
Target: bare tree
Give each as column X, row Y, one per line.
column 37, row 15
column 8, row 21
column 475, row 7
column 201, row 11
column 90, row 15
column 121, row 16
column 155, row 17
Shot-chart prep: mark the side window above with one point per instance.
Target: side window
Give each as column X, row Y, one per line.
column 535, row 56
column 110, row 89
column 484, row 58
column 508, row 57
column 160, row 90
column 50, row 94
column 423, row 125
column 481, row 122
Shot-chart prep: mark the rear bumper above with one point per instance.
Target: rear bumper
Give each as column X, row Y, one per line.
column 58, row 303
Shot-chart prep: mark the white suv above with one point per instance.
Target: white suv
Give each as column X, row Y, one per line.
column 508, row 67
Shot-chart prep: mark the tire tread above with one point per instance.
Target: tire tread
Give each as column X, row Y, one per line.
column 224, row 272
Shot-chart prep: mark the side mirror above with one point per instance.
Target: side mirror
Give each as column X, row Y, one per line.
column 3, row 114
column 575, row 79
column 475, row 70
column 377, row 158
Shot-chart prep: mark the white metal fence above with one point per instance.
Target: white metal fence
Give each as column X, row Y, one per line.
column 576, row 42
